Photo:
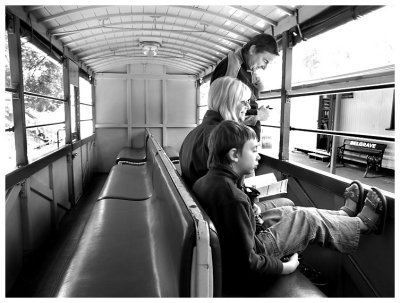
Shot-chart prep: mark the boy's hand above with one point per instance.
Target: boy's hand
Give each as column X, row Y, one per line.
column 257, row 210
column 291, row 265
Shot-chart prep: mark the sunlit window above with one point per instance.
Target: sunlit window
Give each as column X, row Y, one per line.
column 10, row 163
column 203, row 102
column 7, row 63
column 73, row 112
column 270, row 130
column 42, row 74
column 359, row 45
column 85, row 108
column 44, row 104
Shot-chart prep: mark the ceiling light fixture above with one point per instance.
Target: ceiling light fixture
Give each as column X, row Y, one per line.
column 150, row 48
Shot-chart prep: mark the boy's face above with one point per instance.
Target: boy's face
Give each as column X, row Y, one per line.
column 248, row 159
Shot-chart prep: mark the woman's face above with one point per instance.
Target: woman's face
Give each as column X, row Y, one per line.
column 243, row 106
column 242, row 109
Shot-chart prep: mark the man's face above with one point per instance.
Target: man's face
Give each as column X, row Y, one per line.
column 248, row 158
column 259, row 60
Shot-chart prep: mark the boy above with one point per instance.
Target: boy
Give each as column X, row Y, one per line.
column 250, row 259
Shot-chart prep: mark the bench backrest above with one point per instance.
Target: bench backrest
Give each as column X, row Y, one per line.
column 364, row 146
column 175, row 187
column 142, row 246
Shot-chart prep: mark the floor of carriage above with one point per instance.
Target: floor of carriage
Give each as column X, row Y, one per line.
column 44, row 270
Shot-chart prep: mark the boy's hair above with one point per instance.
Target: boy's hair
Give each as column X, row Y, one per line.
column 224, row 96
column 224, row 137
column 263, row 42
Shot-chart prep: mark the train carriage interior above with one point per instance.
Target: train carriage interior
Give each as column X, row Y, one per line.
column 98, row 100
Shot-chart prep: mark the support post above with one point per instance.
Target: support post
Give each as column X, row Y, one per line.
column 285, row 100
column 17, row 83
column 129, row 81
column 68, row 132
column 336, row 121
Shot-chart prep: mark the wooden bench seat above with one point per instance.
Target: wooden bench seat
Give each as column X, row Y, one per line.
column 172, row 154
column 128, row 182
column 132, row 155
column 107, row 262
column 145, row 239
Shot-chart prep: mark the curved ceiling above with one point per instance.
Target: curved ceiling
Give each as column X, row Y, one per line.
column 191, row 38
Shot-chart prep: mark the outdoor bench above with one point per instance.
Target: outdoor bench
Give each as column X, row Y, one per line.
column 362, row 151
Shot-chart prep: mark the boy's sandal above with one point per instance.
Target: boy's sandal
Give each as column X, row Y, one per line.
column 374, row 211
column 355, row 192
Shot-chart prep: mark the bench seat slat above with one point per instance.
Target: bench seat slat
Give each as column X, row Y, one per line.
column 128, row 182
column 172, row 153
column 132, row 154
column 114, row 256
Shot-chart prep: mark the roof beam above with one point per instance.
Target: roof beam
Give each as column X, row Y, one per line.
column 69, row 12
column 116, row 47
column 87, row 46
column 113, row 32
column 32, row 8
column 236, row 21
column 176, row 51
column 169, row 62
column 135, row 53
column 177, row 17
column 250, row 12
column 287, row 10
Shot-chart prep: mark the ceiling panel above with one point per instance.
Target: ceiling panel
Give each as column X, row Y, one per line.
column 194, row 38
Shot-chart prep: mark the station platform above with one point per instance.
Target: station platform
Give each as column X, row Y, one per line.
column 383, row 179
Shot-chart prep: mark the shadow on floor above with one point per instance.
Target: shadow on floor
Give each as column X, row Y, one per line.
column 44, row 269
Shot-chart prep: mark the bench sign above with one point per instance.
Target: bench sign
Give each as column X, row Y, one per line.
column 363, row 144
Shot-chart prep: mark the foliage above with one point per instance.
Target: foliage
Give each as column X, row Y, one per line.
column 41, row 76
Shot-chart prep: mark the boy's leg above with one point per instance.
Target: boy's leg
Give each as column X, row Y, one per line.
column 291, row 229
column 273, row 203
column 354, row 196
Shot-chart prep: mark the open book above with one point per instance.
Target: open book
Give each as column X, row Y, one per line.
column 268, row 186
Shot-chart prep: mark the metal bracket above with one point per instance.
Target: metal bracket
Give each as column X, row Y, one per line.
column 23, row 190
column 298, row 25
column 10, row 24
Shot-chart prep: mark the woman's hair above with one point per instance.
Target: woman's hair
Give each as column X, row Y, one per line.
column 225, row 95
column 224, row 137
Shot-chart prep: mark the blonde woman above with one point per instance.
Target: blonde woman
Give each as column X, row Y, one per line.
column 227, row 100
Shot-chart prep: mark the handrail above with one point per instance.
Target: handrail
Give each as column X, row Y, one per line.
column 24, row 172
column 44, row 96
column 364, row 80
column 345, row 134
column 338, row 133
column 41, row 125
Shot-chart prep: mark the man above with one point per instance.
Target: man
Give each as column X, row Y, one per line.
column 244, row 65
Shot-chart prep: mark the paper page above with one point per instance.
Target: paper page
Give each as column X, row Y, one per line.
column 260, row 181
